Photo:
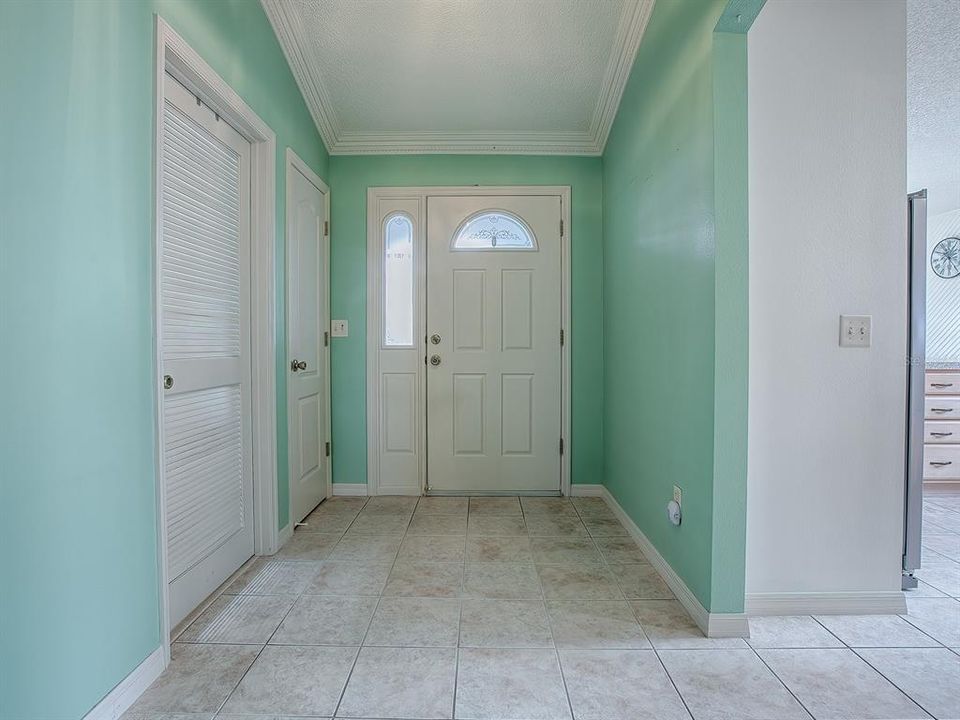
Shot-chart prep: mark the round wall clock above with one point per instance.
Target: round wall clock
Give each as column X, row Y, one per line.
column 945, row 258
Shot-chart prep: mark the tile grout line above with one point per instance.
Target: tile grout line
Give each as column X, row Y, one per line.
column 553, row 637
column 781, row 681
column 262, row 648
column 653, row 647
column 878, row 647
column 881, row 674
column 854, row 651
column 356, row 658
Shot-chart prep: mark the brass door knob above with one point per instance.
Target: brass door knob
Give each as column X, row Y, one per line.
column 298, row 365
column 434, row 360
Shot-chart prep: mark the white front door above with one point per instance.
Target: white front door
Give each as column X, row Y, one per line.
column 204, row 345
column 494, row 346
column 306, row 329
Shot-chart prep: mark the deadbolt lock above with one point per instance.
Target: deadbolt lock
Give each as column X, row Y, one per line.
column 435, row 339
column 434, row 360
column 167, row 382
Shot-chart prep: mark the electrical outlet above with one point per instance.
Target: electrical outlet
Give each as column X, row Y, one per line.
column 677, row 495
column 855, row 330
column 339, row 328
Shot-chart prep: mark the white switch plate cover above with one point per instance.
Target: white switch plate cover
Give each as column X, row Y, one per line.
column 677, row 495
column 339, row 328
column 855, row 330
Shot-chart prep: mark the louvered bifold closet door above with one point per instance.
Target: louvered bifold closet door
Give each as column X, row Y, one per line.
column 204, row 348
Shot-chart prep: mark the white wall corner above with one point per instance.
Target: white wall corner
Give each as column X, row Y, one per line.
column 712, row 624
column 350, row 489
column 125, row 694
column 826, row 603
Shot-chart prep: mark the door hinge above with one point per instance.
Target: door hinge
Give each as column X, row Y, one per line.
column 326, row 227
column 326, row 338
column 561, row 227
column 561, row 337
column 327, row 447
column 561, row 446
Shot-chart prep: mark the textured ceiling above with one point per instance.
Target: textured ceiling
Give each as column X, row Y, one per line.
column 461, row 73
column 933, row 102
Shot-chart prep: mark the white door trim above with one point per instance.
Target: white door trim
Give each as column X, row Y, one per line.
column 174, row 56
column 296, row 164
column 375, row 310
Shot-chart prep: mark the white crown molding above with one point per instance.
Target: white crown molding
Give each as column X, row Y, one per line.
column 633, row 23
column 287, row 28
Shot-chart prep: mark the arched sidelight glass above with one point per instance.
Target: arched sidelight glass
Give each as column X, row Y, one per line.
column 398, row 275
column 494, row 230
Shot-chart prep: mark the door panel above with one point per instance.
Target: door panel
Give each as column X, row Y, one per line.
column 204, row 349
column 494, row 388
column 306, row 383
column 400, row 422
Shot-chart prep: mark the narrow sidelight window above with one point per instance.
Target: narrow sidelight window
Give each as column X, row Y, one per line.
column 398, row 281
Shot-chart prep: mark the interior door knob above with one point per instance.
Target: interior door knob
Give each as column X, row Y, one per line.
column 298, row 365
column 434, row 360
column 167, row 382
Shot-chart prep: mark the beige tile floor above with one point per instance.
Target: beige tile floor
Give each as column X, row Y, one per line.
column 534, row 609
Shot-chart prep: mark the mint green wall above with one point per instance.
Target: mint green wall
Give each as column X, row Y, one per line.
column 674, row 302
column 79, row 599
column 731, row 294
column 350, row 176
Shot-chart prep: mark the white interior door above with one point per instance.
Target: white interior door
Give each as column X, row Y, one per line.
column 307, row 339
column 204, row 349
column 494, row 347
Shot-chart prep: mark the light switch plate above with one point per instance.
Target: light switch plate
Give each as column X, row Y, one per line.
column 855, row 330
column 339, row 328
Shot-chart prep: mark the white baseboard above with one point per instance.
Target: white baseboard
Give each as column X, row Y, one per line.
column 932, row 487
column 712, row 624
column 579, row 490
column 285, row 534
column 119, row 700
column 350, row 489
column 826, row 603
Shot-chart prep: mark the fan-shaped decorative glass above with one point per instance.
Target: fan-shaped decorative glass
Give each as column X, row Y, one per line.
column 494, row 230
column 398, row 281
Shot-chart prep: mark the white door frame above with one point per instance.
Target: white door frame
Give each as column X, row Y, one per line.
column 375, row 312
column 296, row 164
column 174, row 56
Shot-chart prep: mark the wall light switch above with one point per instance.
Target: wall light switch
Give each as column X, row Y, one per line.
column 855, row 330
column 339, row 328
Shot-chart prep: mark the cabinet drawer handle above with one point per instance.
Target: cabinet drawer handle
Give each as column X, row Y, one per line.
column 941, row 434
column 941, row 410
column 941, row 385
column 941, row 464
